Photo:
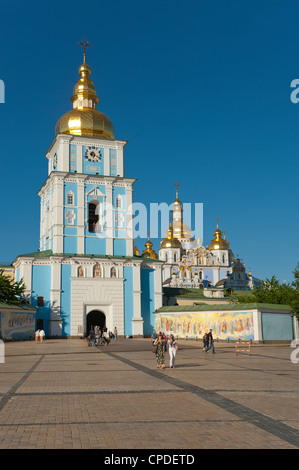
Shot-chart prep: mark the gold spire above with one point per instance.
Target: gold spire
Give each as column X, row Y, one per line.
column 180, row 230
column 85, row 119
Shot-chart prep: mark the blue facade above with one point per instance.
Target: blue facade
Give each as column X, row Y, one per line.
column 65, row 298
column 148, row 299
column 41, row 286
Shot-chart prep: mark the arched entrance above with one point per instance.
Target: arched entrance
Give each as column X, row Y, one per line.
column 95, row 318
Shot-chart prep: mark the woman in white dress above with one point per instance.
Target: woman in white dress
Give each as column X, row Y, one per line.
column 172, row 348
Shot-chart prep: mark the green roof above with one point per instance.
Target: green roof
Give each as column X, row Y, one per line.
column 207, row 308
column 48, row 253
column 18, row 306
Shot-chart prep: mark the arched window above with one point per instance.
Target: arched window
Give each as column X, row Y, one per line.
column 113, row 272
column 166, row 257
column 200, row 274
column 93, row 216
column 223, row 258
column 97, row 271
column 174, row 257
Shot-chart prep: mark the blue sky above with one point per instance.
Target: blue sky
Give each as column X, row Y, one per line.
column 201, row 91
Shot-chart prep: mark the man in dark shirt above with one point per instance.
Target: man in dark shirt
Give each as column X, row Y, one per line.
column 211, row 342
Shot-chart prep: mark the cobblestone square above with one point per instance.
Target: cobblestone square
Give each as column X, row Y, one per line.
column 65, row 395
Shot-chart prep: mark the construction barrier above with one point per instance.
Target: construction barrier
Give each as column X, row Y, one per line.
column 238, row 343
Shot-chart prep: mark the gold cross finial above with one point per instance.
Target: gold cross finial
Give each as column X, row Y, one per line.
column 217, row 221
column 176, row 190
column 84, row 44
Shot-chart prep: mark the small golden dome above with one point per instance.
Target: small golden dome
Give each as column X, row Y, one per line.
column 149, row 252
column 85, row 119
column 218, row 243
column 136, row 251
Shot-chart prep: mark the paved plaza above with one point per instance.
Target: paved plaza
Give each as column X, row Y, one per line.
column 64, row 394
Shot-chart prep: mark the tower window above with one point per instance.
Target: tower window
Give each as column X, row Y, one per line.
column 119, row 202
column 40, row 302
column 93, row 217
column 70, row 199
column 174, row 257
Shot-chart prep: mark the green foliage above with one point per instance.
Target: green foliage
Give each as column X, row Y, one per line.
column 271, row 291
column 11, row 292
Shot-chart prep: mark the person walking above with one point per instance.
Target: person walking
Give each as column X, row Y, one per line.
column 211, row 342
column 160, row 352
column 154, row 336
column 172, row 349
column 37, row 336
column 42, row 335
column 205, row 341
column 115, row 333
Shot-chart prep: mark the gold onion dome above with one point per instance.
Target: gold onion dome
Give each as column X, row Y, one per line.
column 170, row 242
column 85, row 119
column 136, row 251
column 149, row 252
column 219, row 243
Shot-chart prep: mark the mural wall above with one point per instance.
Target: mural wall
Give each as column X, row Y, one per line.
column 17, row 325
column 233, row 325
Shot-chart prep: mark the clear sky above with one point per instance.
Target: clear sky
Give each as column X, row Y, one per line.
column 201, row 91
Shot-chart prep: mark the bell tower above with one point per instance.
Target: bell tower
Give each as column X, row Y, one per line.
column 86, row 201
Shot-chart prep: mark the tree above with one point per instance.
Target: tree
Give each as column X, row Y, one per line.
column 271, row 291
column 11, row 292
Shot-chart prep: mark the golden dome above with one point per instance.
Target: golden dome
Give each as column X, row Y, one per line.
column 136, row 251
column 170, row 242
column 149, row 252
column 84, row 119
column 218, row 243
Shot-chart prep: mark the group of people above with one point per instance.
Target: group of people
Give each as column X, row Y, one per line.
column 160, row 344
column 97, row 336
column 208, row 342
column 39, row 336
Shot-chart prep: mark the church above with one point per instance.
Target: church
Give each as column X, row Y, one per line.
column 88, row 270
column 85, row 272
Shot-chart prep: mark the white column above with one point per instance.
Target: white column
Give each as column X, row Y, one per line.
column 64, row 156
column 79, row 159
column 120, row 162
column 55, row 322
column 257, row 325
column 106, row 162
column 158, row 286
column 58, row 221
column 129, row 222
column 26, row 274
column 109, row 219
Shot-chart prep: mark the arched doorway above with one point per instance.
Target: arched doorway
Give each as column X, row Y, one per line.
column 95, row 318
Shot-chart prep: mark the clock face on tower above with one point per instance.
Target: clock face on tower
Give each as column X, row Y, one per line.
column 93, row 155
